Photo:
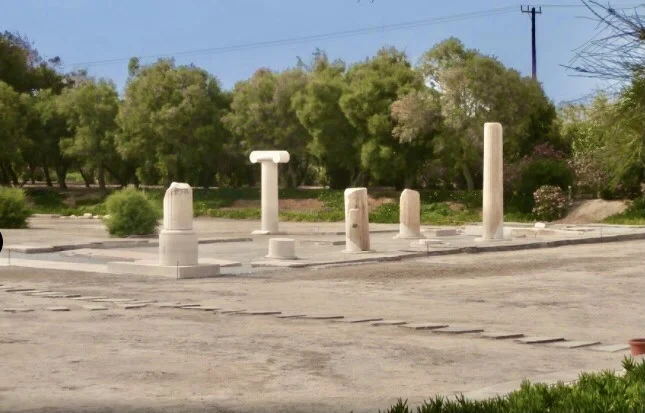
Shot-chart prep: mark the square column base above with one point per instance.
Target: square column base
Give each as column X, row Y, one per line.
column 265, row 232
column 144, row 267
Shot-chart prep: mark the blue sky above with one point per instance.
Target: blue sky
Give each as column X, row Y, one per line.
column 95, row 30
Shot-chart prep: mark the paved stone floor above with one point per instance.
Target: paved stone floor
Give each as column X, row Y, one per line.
column 125, row 346
column 88, row 247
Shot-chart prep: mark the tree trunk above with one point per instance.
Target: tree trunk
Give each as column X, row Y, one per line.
column 48, row 178
column 468, row 176
column 86, row 178
column 4, row 176
column 101, row 175
column 61, row 176
column 32, row 177
column 12, row 174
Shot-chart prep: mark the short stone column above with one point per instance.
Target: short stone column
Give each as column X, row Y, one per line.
column 177, row 240
column 493, row 193
column 357, row 231
column 270, row 205
column 410, row 215
column 282, row 249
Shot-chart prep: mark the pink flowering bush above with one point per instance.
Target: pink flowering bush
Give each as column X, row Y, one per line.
column 550, row 203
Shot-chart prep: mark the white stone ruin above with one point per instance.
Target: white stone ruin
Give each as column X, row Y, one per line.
column 410, row 215
column 357, row 231
column 270, row 205
column 493, row 193
column 282, row 249
column 177, row 242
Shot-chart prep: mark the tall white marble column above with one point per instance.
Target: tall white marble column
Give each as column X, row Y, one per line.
column 177, row 240
column 357, row 231
column 269, row 190
column 410, row 215
column 493, row 194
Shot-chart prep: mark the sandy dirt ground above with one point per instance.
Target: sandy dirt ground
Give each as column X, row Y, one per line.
column 174, row 360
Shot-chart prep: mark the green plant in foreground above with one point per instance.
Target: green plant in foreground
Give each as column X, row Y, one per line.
column 13, row 208
column 593, row 393
column 131, row 213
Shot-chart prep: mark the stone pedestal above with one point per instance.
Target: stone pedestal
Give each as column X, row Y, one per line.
column 493, row 193
column 178, row 252
column 177, row 240
column 282, row 249
column 357, row 231
column 269, row 189
column 410, row 215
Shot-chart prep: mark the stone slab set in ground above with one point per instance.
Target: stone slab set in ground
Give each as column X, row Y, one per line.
column 178, row 252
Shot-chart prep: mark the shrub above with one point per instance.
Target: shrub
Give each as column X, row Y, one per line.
column 13, row 208
column 592, row 393
column 541, row 172
column 550, row 203
column 131, row 213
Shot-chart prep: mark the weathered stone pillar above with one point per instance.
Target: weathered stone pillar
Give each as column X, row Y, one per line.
column 357, row 231
column 493, row 194
column 177, row 240
column 410, row 215
column 270, row 205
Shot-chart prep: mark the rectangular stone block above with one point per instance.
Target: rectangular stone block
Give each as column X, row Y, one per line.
column 359, row 320
column 574, row 344
column 458, row 330
column 389, row 323
column 614, row 348
column 447, row 232
column 134, row 306
column 94, row 307
column 89, row 297
column 58, row 309
column 500, row 335
column 231, row 311
column 260, row 312
column 166, row 305
column 17, row 310
column 290, row 315
column 153, row 268
column 113, row 300
column 322, row 317
column 538, row 340
column 200, row 308
column 474, row 230
column 424, row 326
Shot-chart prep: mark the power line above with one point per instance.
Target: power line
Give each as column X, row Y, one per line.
column 325, row 36
column 304, row 39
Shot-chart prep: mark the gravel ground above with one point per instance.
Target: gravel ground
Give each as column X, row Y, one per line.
column 173, row 360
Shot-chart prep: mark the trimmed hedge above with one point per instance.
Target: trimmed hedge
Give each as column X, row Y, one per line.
column 593, row 393
column 14, row 210
column 131, row 213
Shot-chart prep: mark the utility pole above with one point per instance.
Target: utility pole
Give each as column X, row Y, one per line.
column 533, row 12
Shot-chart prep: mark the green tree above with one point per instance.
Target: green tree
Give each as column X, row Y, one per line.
column 373, row 86
column 476, row 89
column 262, row 117
column 12, row 128
column 170, row 123
column 418, row 122
column 91, row 108
column 317, row 106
